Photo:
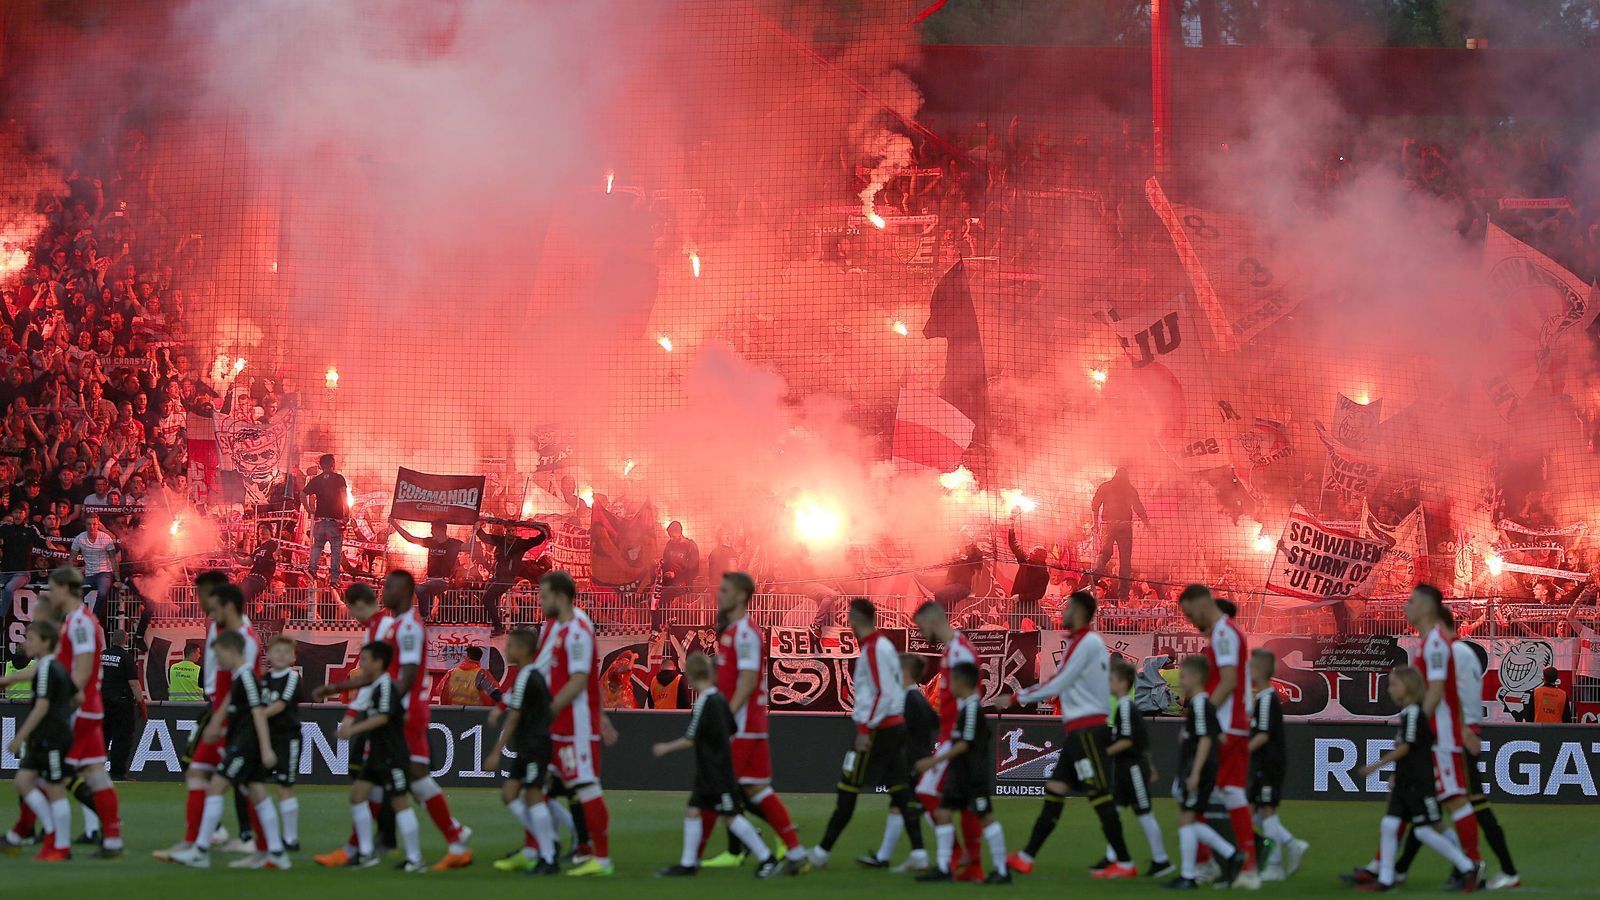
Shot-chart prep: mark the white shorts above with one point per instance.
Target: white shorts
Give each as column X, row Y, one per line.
column 576, row 762
column 1449, row 773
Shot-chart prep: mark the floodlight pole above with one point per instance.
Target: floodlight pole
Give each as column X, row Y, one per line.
column 1162, row 35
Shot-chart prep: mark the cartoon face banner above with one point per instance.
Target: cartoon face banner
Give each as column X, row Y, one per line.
column 252, row 456
column 1355, row 423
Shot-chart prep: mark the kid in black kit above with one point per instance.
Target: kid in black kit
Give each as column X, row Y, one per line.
column 922, row 733
column 1269, row 765
column 387, row 762
column 526, row 733
column 1411, row 794
column 283, row 693
column 47, row 736
column 969, row 784
column 1132, row 772
column 248, row 761
column 716, row 790
column 1197, row 778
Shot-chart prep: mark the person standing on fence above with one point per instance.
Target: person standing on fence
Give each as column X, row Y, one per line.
column 97, row 550
column 510, row 546
column 1033, row 579
column 263, row 565
column 1116, row 502
column 444, row 554
column 327, row 499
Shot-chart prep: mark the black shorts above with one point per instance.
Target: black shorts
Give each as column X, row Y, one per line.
column 357, row 756
column 1197, row 800
column 529, row 766
column 1083, row 760
column 49, row 759
column 393, row 775
column 883, row 764
column 724, row 800
column 966, row 791
column 242, row 765
column 1266, row 786
column 1416, row 805
column 287, row 748
column 1132, row 783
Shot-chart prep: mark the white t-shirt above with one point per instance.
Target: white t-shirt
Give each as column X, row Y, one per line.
column 96, row 552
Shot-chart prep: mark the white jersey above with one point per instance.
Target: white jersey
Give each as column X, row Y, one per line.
column 1082, row 683
column 252, row 650
column 1469, row 682
column 1439, row 665
column 880, row 693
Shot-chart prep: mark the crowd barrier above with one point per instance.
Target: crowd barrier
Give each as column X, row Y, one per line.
column 1525, row 764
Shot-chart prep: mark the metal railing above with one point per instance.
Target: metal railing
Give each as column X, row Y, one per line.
column 620, row 612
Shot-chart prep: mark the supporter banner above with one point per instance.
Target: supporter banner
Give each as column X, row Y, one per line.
column 441, row 499
column 1356, row 423
column 1519, row 537
column 929, row 432
column 1531, row 303
column 788, row 642
column 624, row 670
column 1349, row 473
column 1261, row 444
column 251, row 457
column 324, row 655
column 1193, row 423
column 1241, row 286
column 1316, row 564
column 1535, row 203
column 1009, row 660
column 1406, row 562
column 1519, row 763
column 554, row 446
column 1544, row 571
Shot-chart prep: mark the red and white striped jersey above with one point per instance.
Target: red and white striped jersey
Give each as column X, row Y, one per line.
column 1439, row 665
column 410, row 639
column 218, row 681
column 81, row 634
column 573, row 653
column 1226, row 647
column 958, row 650
column 742, row 648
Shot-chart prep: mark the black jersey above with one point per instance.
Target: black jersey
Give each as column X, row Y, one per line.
column 974, row 768
column 1266, row 717
column 51, row 682
column 711, row 728
column 1414, row 771
column 387, row 745
column 530, row 697
column 922, row 724
column 284, row 686
column 244, row 697
column 1127, row 724
column 1199, row 721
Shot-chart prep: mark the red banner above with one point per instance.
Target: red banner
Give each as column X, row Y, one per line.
column 445, row 499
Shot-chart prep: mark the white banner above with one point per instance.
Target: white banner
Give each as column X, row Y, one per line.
column 1243, row 287
column 1350, row 472
column 1194, row 424
column 1408, row 549
column 1531, row 303
column 1316, row 564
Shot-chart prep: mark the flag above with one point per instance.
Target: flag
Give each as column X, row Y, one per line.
column 1261, row 444
column 1406, row 563
column 1192, row 423
column 1316, row 564
column 929, row 432
column 1356, row 423
column 1242, row 287
column 440, row 499
column 1350, row 472
column 952, row 316
column 1531, row 303
column 623, row 549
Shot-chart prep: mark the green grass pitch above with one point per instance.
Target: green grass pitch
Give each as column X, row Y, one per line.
column 1555, row 849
